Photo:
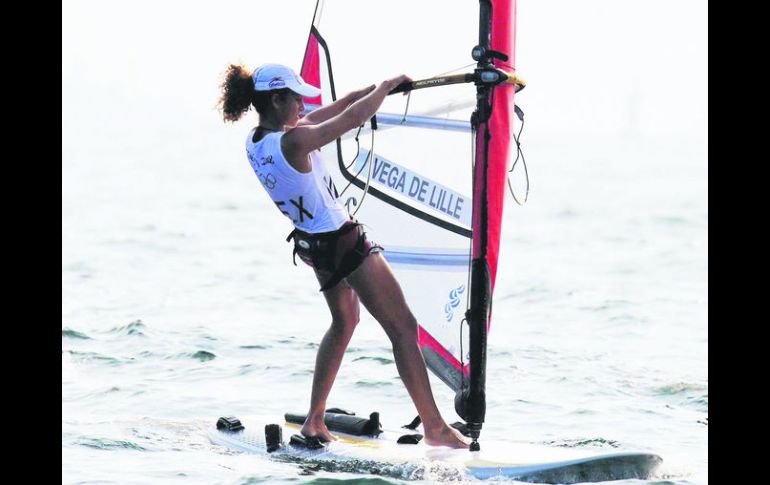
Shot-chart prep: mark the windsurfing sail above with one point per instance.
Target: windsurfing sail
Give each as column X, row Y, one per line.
column 428, row 177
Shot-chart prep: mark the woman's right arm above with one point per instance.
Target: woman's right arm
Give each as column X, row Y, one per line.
column 300, row 141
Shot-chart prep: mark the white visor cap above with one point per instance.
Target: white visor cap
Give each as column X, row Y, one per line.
column 276, row 76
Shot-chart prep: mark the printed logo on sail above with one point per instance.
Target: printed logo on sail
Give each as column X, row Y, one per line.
column 416, row 187
column 454, row 302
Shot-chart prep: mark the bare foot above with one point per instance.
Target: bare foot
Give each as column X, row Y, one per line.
column 446, row 436
column 315, row 427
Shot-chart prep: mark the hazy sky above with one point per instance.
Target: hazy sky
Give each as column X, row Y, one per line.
column 597, row 67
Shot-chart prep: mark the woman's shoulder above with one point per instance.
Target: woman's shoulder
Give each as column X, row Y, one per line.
column 292, row 137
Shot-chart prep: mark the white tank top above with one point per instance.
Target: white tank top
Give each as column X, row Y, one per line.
column 305, row 198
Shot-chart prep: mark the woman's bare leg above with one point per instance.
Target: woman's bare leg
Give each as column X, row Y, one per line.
column 381, row 294
column 343, row 304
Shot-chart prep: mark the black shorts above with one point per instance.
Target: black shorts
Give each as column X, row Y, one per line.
column 335, row 254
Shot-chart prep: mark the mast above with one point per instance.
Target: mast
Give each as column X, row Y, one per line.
column 491, row 124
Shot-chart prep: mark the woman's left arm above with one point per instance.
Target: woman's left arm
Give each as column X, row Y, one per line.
column 319, row 115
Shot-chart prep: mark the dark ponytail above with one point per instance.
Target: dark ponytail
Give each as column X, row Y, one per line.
column 237, row 91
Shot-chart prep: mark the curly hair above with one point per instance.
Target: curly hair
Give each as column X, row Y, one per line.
column 238, row 94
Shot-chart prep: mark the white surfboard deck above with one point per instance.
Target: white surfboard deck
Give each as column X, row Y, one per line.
column 384, row 456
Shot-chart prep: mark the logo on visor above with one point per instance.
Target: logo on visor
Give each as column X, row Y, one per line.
column 276, row 82
column 303, row 244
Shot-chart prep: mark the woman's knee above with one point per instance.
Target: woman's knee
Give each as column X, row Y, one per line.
column 344, row 307
column 401, row 330
column 346, row 319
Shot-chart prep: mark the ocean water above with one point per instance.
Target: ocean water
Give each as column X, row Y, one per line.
column 180, row 302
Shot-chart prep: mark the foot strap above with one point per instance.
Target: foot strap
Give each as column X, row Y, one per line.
column 309, row 442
